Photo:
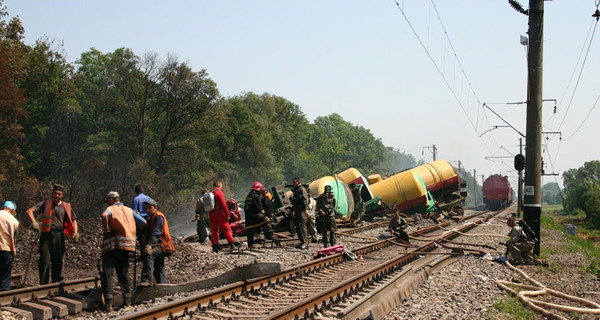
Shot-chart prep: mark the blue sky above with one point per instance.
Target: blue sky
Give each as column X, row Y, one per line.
column 362, row 60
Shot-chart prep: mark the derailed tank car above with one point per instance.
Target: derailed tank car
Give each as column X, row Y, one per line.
column 425, row 188
column 497, row 192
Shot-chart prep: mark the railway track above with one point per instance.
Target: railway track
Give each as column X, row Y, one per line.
column 71, row 297
column 334, row 286
column 51, row 300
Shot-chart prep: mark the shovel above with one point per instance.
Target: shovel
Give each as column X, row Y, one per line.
column 34, row 243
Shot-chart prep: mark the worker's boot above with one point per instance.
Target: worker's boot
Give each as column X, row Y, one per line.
column 126, row 299
column 108, row 305
column 215, row 248
column 233, row 246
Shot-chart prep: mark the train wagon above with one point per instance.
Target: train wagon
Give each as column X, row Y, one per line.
column 406, row 190
column 341, row 191
column 446, row 185
column 497, row 192
column 352, row 175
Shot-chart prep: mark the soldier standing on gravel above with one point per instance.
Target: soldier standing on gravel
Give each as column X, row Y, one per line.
column 300, row 208
column 201, row 219
column 119, row 225
column 398, row 227
column 58, row 219
column 521, row 243
column 326, row 204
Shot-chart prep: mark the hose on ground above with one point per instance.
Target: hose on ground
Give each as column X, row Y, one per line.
column 539, row 289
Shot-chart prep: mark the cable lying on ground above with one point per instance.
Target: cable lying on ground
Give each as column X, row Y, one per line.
column 539, row 289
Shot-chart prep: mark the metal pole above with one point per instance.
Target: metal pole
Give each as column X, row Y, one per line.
column 520, row 187
column 533, row 179
column 434, row 152
column 475, row 185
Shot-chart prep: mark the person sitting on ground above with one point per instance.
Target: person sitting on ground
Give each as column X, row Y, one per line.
column 520, row 245
column 397, row 227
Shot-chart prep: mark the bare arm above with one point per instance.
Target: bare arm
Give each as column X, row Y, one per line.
column 105, row 226
column 29, row 213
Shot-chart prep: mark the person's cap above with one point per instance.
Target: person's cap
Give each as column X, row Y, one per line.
column 10, row 205
column 151, row 202
column 112, row 194
column 257, row 186
column 327, row 188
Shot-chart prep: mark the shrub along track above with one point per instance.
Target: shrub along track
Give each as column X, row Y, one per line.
column 333, row 286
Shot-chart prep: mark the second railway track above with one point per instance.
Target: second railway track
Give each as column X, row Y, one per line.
column 330, row 287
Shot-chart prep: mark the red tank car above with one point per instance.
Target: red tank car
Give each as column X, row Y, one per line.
column 497, row 193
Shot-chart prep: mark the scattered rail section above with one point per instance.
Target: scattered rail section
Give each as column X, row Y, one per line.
column 333, row 286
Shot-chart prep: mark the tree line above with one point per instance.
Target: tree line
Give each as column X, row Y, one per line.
column 111, row 120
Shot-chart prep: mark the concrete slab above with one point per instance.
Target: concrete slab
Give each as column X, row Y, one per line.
column 39, row 311
column 240, row 274
column 59, row 310
column 25, row 315
column 73, row 306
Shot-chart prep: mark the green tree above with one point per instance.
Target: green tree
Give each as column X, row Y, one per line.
column 582, row 190
column 15, row 183
column 551, row 193
column 341, row 145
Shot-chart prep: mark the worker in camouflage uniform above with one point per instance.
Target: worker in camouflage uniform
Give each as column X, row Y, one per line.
column 201, row 218
column 326, row 210
column 397, row 227
column 300, row 200
column 521, row 242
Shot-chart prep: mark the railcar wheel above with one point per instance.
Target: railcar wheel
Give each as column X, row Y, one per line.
column 458, row 210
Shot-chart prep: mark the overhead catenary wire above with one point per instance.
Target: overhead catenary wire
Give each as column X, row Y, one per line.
column 578, row 79
column 438, row 69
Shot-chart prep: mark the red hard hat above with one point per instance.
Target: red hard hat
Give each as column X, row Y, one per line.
column 257, row 186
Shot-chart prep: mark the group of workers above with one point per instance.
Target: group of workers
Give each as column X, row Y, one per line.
column 123, row 228
column 259, row 213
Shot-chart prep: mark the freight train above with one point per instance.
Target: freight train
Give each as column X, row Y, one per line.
column 432, row 187
column 497, row 192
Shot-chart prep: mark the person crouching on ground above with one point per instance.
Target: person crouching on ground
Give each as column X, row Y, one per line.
column 397, row 227
column 520, row 245
column 157, row 245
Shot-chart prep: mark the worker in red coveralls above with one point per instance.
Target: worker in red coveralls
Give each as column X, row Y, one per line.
column 218, row 218
column 58, row 219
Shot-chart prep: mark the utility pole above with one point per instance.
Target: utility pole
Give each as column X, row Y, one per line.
column 520, row 187
column 433, row 150
column 475, row 186
column 532, row 207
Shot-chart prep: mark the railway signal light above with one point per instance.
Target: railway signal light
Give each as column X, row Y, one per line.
column 519, row 162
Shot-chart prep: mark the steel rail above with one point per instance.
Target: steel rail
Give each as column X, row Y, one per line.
column 237, row 289
column 308, row 308
column 17, row 296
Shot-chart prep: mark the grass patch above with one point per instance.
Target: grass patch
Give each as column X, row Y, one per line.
column 549, row 222
column 512, row 307
column 585, row 242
